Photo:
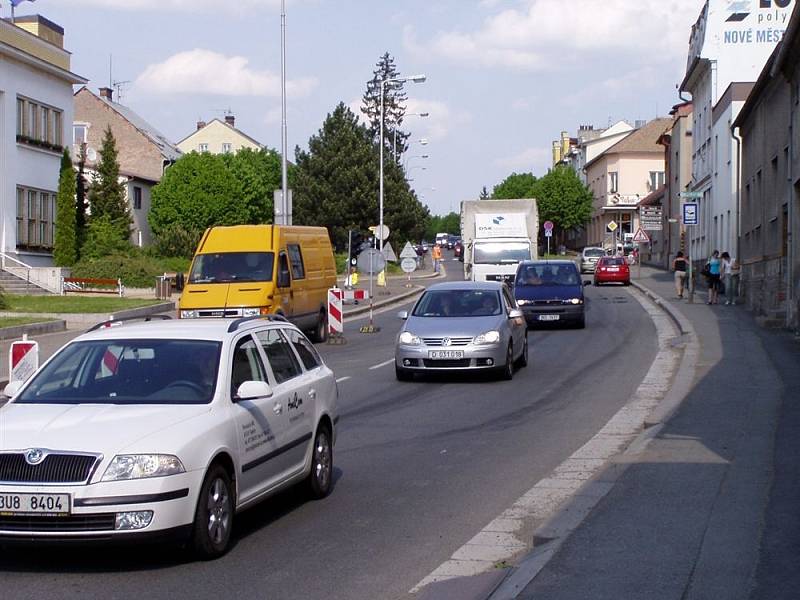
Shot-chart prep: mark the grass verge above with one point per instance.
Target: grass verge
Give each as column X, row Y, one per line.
column 14, row 321
column 74, row 304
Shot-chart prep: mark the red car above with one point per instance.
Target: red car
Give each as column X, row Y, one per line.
column 612, row 269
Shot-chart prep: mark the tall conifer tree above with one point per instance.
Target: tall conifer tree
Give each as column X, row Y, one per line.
column 65, row 244
column 107, row 194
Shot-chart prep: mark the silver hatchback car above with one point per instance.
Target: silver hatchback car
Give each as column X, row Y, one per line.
column 589, row 258
column 467, row 325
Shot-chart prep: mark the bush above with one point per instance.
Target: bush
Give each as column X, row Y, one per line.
column 102, row 239
column 176, row 241
column 135, row 269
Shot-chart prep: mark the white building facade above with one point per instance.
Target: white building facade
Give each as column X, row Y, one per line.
column 35, row 117
column 729, row 45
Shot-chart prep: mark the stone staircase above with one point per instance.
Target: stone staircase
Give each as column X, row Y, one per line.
column 11, row 284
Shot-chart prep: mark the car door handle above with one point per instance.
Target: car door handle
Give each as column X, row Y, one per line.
column 312, row 394
column 277, row 409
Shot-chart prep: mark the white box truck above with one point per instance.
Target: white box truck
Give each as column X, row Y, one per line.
column 497, row 235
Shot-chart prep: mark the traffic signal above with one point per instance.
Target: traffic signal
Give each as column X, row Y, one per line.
column 356, row 243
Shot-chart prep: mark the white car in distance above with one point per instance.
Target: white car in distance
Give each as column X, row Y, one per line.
column 165, row 428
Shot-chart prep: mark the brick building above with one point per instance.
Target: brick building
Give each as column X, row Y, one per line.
column 144, row 153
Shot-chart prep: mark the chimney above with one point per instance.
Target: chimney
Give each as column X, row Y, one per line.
column 200, row 125
column 230, row 120
column 42, row 28
column 107, row 93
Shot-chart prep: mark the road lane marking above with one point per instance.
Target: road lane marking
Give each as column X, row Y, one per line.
column 571, row 490
column 341, row 379
column 383, row 364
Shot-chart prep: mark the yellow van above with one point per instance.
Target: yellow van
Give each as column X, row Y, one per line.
column 249, row 270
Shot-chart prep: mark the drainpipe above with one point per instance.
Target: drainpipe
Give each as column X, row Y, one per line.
column 790, row 253
column 738, row 140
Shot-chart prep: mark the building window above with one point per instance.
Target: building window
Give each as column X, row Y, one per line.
column 137, row 197
column 656, row 180
column 613, row 182
column 39, row 125
column 80, row 132
column 226, row 148
column 35, row 218
column 202, row 147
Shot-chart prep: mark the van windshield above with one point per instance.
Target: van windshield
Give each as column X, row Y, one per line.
column 495, row 253
column 226, row 267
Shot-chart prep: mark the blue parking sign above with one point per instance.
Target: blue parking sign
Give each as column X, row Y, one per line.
column 690, row 213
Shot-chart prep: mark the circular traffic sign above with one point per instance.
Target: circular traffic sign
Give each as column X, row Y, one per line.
column 409, row 265
column 548, row 226
column 371, row 261
column 381, row 234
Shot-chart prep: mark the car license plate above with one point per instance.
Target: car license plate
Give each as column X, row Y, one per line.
column 445, row 354
column 549, row 317
column 613, row 268
column 13, row 503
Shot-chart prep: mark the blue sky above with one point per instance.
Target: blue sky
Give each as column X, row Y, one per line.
column 504, row 76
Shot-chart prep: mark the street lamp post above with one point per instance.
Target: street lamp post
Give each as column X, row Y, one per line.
column 394, row 143
column 415, row 79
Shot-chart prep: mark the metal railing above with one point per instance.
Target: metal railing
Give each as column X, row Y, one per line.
column 28, row 270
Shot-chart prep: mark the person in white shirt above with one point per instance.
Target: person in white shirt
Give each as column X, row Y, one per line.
column 730, row 275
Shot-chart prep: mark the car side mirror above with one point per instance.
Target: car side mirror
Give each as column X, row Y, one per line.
column 12, row 389
column 283, row 279
column 515, row 313
column 250, row 390
column 403, row 314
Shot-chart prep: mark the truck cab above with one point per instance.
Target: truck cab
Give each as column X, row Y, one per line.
column 496, row 259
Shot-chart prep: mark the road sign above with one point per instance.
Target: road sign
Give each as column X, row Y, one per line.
column 548, row 233
column 689, row 213
column 409, row 265
column 371, row 261
column 651, row 218
column 381, row 234
column 612, row 225
column 548, row 226
column 23, row 360
column 408, row 251
column 388, row 252
column 641, row 237
column 690, row 194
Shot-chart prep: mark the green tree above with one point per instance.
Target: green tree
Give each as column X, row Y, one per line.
column 259, row 173
column 81, row 203
column 107, row 194
column 394, row 108
column 197, row 192
column 65, row 244
column 449, row 223
column 336, row 183
column 563, row 199
column 516, row 185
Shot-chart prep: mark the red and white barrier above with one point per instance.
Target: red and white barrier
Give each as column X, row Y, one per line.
column 23, row 360
column 335, row 321
column 356, row 295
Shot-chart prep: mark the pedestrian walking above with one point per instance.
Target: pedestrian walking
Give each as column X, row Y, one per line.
column 436, row 255
column 680, row 265
column 714, row 265
column 730, row 277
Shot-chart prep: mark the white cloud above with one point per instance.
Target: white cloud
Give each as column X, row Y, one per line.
column 529, row 159
column 201, row 71
column 543, row 34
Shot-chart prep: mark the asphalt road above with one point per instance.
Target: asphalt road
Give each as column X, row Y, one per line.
column 420, row 468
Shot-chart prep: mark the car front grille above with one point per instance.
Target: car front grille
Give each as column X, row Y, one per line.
column 454, row 341
column 548, row 303
column 461, row 363
column 54, row 468
column 46, row 524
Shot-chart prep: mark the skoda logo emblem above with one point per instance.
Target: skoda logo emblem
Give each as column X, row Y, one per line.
column 34, row 456
column 446, row 342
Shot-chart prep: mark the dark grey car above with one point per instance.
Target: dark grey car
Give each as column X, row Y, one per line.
column 465, row 325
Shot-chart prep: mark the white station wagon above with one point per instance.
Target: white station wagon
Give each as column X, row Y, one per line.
column 164, row 427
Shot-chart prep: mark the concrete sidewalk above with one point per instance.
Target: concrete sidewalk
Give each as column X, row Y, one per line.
column 707, row 506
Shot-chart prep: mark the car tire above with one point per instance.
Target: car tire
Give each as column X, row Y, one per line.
column 320, row 334
column 213, row 517
column 506, row 372
column 626, row 283
column 581, row 323
column 320, row 478
column 522, row 361
column 403, row 374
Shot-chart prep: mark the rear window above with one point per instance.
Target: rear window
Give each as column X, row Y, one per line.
column 594, row 252
column 613, row 261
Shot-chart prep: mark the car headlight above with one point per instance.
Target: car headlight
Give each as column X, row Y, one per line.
column 524, row 302
column 140, row 466
column 409, row 339
column 490, row 337
column 572, row 301
column 188, row 314
column 251, row 312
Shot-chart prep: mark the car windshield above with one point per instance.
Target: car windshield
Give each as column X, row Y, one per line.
column 458, row 303
column 592, row 252
column 548, row 274
column 494, row 253
column 225, row 267
column 148, row 371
